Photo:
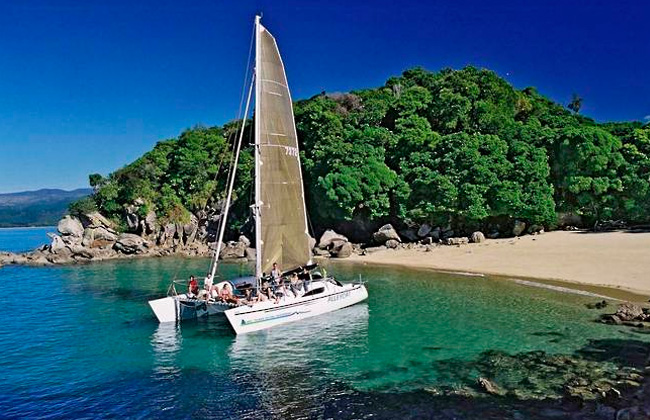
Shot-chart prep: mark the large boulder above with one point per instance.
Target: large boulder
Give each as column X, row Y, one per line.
column 233, row 250
column 518, row 228
column 129, row 243
column 342, row 250
column 329, row 237
column 70, row 226
column 424, row 230
column 477, row 237
column 410, row 234
column 385, row 233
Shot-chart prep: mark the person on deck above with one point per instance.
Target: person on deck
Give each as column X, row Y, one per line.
column 207, row 284
column 226, row 295
column 306, row 278
column 296, row 285
column 276, row 273
column 265, row 292
column 193, row 287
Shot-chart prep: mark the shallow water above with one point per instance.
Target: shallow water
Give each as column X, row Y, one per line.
column 80, row 341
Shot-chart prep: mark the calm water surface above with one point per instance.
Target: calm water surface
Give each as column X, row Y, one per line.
column 80, row 341
column 24, row 239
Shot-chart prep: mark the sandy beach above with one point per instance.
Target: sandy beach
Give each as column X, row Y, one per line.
column 618, row 260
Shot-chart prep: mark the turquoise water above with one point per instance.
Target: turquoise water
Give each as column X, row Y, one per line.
column 24, row 239
column 80, row 341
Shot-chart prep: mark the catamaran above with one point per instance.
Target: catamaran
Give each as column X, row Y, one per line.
column 281, row 228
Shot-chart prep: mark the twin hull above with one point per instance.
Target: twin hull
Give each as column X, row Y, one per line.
column 266, row 314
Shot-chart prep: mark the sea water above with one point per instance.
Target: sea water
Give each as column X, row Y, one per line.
column 81, row 342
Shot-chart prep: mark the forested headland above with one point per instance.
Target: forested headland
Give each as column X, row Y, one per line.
column 456, row 148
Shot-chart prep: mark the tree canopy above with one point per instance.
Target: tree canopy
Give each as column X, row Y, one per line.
column 454, row 147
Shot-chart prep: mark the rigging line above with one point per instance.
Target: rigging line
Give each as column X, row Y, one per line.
column 231, row 184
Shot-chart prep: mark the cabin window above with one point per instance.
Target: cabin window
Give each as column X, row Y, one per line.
column 314, row 292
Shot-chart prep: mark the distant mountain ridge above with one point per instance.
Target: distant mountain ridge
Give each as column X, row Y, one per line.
column 37, row 208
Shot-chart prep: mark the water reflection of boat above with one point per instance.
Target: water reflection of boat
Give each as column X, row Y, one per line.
column 340, row 335
column 166, row 343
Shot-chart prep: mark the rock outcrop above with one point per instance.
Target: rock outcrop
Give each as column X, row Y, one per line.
column 385, row 233
column 329, row 237
column 129, row 243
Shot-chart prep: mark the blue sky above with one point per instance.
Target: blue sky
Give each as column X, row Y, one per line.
column 88, row 86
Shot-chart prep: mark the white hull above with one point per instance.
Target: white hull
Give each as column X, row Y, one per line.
column 182, row 307
column 263, row 315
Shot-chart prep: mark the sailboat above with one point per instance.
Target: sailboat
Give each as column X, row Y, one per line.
column 281, row 227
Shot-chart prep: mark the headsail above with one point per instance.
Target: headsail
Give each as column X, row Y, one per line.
column 282, row 219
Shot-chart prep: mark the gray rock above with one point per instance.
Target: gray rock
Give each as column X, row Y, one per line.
column 312, row 243
column 88, row 237
column 129, row 243
column 342, row 250
column 244, row 240
column 392, row 244
column 447, row 234
column 457, row 241
column 628, row 311
column 103, row 234
column 424, row 230
column 57, row 246
column 385, row 233
column 233, row 250
column 532, row 229
column 409, row 234
column 95, row 219
column 518, row 228
column 477, row 237
column 132, row 220
column 436, row 234
column 70, row 226
column 493, row 235
column 427, row 241
column 328, row 237
column 151, row 223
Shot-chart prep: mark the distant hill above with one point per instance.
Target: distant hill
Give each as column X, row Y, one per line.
column 37, row 208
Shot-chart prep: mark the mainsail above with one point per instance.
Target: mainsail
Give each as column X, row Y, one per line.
column 281, row 218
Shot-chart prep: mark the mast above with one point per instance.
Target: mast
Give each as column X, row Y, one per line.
column 256, row 148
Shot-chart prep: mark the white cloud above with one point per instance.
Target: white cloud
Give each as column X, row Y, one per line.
column 647, row 117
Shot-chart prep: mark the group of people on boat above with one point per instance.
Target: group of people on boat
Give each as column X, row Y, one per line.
column 274, row 287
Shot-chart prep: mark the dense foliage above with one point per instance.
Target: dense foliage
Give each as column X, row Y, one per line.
column 460, row 148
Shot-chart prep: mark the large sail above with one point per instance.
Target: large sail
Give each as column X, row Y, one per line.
column 281, row 223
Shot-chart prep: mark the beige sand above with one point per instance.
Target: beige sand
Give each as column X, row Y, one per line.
column 613, row 259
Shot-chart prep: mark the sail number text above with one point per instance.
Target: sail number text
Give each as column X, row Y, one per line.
column 291, row 151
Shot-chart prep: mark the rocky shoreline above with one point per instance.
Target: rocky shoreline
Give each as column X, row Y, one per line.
column 92, row 237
